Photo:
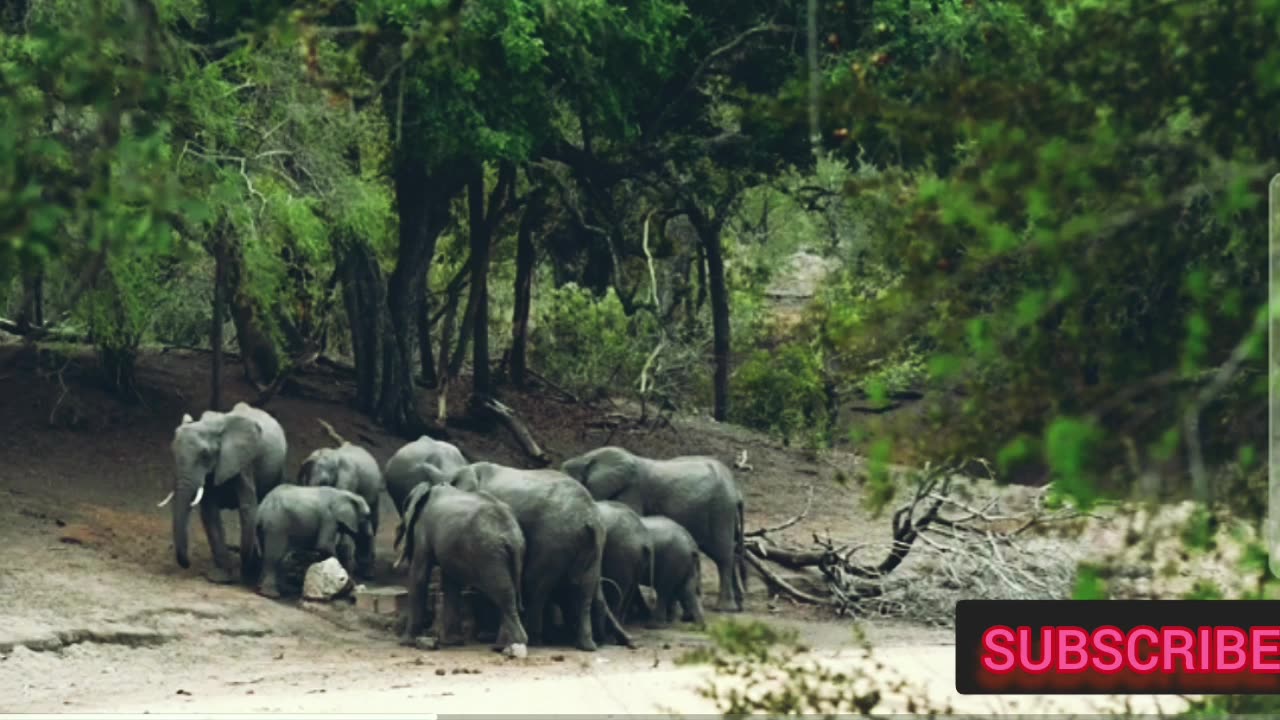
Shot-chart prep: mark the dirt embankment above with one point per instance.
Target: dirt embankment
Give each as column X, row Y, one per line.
column 98, row 613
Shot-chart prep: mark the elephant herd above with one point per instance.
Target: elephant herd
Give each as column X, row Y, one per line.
column 534, row 550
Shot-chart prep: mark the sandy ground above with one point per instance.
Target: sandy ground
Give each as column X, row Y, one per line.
column 97, row 617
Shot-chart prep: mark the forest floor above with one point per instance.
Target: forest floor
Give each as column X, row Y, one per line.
column 99, row 618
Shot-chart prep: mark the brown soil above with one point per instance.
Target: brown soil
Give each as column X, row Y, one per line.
column 96, row 609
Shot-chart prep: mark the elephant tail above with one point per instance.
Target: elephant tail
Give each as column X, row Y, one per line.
column 697, row 573
column 739, row 541
column 514, row 562
column 405, row 530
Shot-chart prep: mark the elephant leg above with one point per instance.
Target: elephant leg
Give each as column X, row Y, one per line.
column 639, row 609
column 346, row 555
column 692, row 606
column 211, row 519
column 419, row 615
column 249, row 550
column 538, row 584
column 365, row 547
column 451, row 612
column 579, row 611
column 661, row 607
column 273, row 552
column 722, row 549
column 510, row 629
column 727, row 600
column 486, row 617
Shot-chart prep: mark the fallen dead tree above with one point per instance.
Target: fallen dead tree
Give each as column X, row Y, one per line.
column 490, row 409
column 964, row 552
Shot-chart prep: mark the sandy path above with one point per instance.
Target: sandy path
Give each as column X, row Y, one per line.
column 602, row 689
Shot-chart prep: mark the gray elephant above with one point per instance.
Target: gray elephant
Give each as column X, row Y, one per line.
column 564, row 538
column 677, row 572
column 627, row 562
column 352, row 468
column 696, row 491
column 404, row 470
column 477, row 543
column 225, row 461
column 300, row 519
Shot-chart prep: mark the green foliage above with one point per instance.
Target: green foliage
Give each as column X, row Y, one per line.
column 587, row 344
column 1071, row 224
column 768, row 673
column 784, row 392
column 1089, row 584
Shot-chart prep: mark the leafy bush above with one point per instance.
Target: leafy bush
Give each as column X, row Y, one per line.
column 589, row 345
column 783, row 391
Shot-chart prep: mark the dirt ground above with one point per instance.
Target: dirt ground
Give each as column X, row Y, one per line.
column 99, row 617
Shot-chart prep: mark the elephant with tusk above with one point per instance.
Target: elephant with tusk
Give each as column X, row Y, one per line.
column 225, row 461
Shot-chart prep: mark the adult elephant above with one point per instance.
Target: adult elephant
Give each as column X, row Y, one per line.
column 564, row 544
column 476, row 542
column 352, row 468
column 696, row 491
column 406, row 468
column 225, row 461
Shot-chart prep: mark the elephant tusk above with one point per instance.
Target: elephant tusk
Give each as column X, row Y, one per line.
column 199, row 494
column 166, row 500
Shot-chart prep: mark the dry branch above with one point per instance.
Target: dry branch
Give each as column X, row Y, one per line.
column 962, row 552
column 328, row 430
column 493, row 409
column 803, row 514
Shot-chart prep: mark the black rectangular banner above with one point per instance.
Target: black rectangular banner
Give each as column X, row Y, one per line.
column 1117, row 647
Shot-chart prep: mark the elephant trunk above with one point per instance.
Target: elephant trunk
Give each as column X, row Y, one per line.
column 182, row 505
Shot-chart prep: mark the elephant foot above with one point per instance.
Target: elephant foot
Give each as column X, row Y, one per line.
column 269, row 591
column 587, row 645
column 220, row 576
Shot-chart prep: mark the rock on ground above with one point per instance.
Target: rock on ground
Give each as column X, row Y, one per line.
column 326, row 580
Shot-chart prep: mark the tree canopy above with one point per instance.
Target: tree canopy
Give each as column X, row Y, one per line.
column 1044, row 219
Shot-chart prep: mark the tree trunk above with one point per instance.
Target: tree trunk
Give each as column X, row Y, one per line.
column 464, row 329
column 215, row 329
column 362, row 291
column 525, row 258
column 478, row 303
column 709, row 233
column 31, row 304
column 426, row 357
column 422, row 204
column 257, row 350
column 37, row 299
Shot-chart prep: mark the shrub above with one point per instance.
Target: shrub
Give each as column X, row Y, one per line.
column 784, row 392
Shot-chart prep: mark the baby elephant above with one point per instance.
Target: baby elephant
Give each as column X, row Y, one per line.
column 309, row 519
column 348, row 467
column 477, row 543
column 627, row 562
column 677, row 571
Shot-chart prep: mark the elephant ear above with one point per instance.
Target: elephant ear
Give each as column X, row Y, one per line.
column 351, row 512
column 465, row 479
column 418, row 497
column 239, row 445
column 433, row 475
column 308, row 469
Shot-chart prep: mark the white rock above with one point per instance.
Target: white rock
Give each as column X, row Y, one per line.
column 516, row 650
column 326, row 581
